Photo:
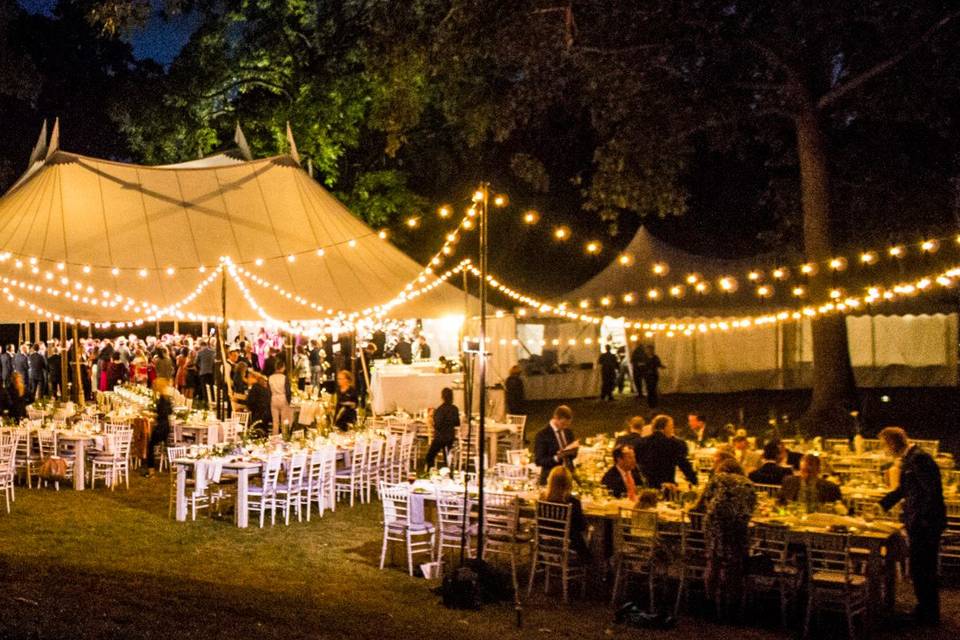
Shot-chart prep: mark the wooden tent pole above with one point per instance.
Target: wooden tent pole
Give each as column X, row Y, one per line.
column 78, row 377
column 64, row 356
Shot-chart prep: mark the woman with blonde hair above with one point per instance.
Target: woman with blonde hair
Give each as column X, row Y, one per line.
column 18, row 396
column 559, row 490
column 345, row 409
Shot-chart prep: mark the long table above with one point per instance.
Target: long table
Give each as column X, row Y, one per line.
column 244, row 470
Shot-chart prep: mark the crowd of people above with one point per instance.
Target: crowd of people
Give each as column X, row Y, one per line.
column 641, row 368
column 646, row 461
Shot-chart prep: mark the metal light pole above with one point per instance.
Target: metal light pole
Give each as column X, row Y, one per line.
column 484, row 210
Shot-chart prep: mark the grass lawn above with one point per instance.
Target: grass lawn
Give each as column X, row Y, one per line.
column 103, row 564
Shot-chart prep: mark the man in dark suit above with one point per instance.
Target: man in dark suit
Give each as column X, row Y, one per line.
column 638, row 360
column 924, row 517
column 698, row 432
column 21, row 364
column 609, row 365
column 771, row 471
column 634, row 434
column 550, row 443
column 404, row 350
column 6, row 364
column 623, row 478
column 660, row 453
column 808, row 487
column 37, row 365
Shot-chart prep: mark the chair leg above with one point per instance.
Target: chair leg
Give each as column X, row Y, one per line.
column 616, row 583
column 806, row 618
column 564, row 583
column 409, row 554
column 533, row 572
column 383, row 550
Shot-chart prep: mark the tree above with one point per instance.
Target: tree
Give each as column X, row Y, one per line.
column 658, row 77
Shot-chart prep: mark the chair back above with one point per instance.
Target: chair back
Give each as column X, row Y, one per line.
column 829, row 553
column 636, row 533
column 396, row 503
column 7, row 460
column 230, row 430
column 772, row 490
column 519, row 423
column 516, row 456
column 501, row 513
column 122, row 438
column 375, row 454
column 693, row 541
column 271, row 471
column 298, row 463
column 450, row 510
column 47, row 441
column 315, row 468
column 953, row 515
column 771, row 541
column 553, row 528
column 242, row 418
column 359, row 456
column 176, row 452
column 511, row 472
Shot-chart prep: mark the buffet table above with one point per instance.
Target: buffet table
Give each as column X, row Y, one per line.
column 577, row 383
column 411, row 388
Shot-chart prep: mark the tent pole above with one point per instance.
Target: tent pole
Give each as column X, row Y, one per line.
column 36, row 329
column 220, row 371
column 481, row 448
column 64, row 356
column 77, row 376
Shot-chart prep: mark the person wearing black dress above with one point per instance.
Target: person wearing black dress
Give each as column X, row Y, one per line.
column 345, row 413
column 515, row 396
column 651, row 375
column 258, row 402
column 161, row 427
column 18, row 397
column 446, row 419
column 609, row 366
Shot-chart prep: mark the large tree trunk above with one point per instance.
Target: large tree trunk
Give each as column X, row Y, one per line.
column 834, row 389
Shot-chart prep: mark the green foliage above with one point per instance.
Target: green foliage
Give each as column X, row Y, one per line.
column 382, row 196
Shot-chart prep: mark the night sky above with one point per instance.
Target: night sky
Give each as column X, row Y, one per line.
column 160, row 39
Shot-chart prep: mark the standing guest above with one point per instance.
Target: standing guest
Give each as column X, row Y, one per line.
column 279, row 396
column 270, row 363
column 193, row 375
column 180, row 379
column 772, row 470
column 699, row 433
column 403, row 350
column 104, row 357
column 365, row 371
column 258, row 401
column 638, row 360
column 559, row 489
column 637, row 430
column 423, row 349
column 379, row 339
column 161, row 428
column 164, row 365
column 139, row 367
column 6, row 364
column 301, row 367
column 316, row 357
column 924, row 517
column 623, row 478
column 37, row 365
column 651, row 375
column 239, row 377
column 552, row 444
column 623, row 368
column 345, row 407
column 18, row 397
column 728, row 502
column 609, row 366
column 205, row 361
column 446, row 419
column 748, row 458
column 808, row 488
column 116, row 371
column 54, row 369
column 515, row 397
column 660, row 453
column 21, row 364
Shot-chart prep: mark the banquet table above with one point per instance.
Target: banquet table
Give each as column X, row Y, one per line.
column 576, row 383
column 244, row 470
column 80, row 440
column 411, row 390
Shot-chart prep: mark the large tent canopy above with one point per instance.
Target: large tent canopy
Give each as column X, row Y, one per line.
column 107, row 233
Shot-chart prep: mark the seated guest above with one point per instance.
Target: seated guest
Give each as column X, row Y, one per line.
column 698, row 432
column 559, row 488
column 748, row 458
column 637, row 429
column 623, row 478
column 258, row 402
column 446, row 419
column 808, row 488
column 728, row 503
column 345, row 410
column 771, row 471
column 660, row 453
column 550, row 445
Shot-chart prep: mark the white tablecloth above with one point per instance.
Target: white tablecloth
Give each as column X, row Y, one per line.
column 579, row 383
column 412, row 393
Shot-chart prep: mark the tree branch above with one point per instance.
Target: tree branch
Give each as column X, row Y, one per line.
column 859, row 80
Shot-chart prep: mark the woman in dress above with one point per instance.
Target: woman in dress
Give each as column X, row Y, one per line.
column 279, row 396
column 180, row 380
column 516, row 400
column 728, row 502
column 18, row 397
column 345, row 409
column 558, row 489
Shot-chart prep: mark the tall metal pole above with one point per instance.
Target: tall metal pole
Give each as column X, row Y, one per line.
column 64, row 364
column 78, row 376
column 484, row 223
column 221, row 343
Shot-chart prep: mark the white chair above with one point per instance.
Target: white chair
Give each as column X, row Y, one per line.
column 783, row 578
column 349, row 480
column 110, row 465
column 418, row 537
column 47, row 442
column 692, row 561
column 373, row 467
column 403, row 459
column 290, row 493
column 391, row 448
column 501, row 526
column 194, row 499
column 27, row 461
column 263, row 497
column 450, row 519
column 512, row 439
column 320, row 473
column 551, row 548
column 242, row 418
column 7, row 453
column 832, row 582
column 636, row 543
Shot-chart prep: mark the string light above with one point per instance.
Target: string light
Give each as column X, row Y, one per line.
column 838, row 264
column 660, row 268
column 896, row 251
column 561, row 233
column 781, row 273
column 625, row 259
column 929, row 246
column 500, row 200
column 593, row 247
column 868, row 257
column 444, row 211
column 413, row 222
column 531, row 217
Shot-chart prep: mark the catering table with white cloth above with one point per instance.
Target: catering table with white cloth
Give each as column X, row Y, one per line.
column 413, row 389
column 577, row 383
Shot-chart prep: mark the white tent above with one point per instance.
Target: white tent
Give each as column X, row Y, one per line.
column 97, row 240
